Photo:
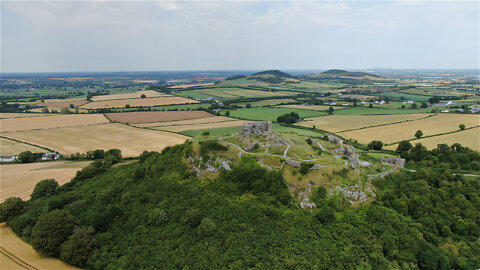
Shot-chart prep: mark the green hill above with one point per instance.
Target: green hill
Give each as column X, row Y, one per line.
column 157, row 214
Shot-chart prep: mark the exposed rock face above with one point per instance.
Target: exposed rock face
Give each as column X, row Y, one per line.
column 293, row 163
column 316, row 167
column 354, row 161
column 257, row 128
column 352, row 194
column 393, row 161
column 304, row 198
column 336, row 140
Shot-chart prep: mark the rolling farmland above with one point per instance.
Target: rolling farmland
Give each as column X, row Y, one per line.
column 155, row 116
column 138, row 102
column 9, row 147
column 70, row 140
column 430, row 126
column 339, row 123
column 46, row 122
column 147, row 93
column 469, row 138
column 18, row 180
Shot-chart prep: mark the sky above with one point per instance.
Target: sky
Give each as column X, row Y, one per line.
column 69, row 36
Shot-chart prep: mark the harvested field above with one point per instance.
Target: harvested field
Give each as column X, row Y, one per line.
column 16, row 254
column 46, row 122
column 195, row 121
column 469, row 138
column 440, row 123
column 182, row 86
column 9, row 147
column 70, row 140
column 339, row 123
column 224, row 124
column 63, row 104
column 18, row 180
column 147, row 93
column 311, row 107
column 21, row 115
column 155, row 116
column 138, row 102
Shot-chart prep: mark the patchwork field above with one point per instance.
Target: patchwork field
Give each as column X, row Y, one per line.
column 9, row 147
column 69, row 140
column 195, row 121
column 440, row 123
column 16, row 254
column 232, row 93
column 266, row 113
column 19, row 180
column 311, row 107
column 205, row 126
column 267, row 102
column 155, row 116
column 138, row 102
column 469, row 138
column 147, row 93
column 47, row 122
column 63, row 104
column 339, row 123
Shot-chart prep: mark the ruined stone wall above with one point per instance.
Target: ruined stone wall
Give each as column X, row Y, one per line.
column 393, row 161
column 257, row 128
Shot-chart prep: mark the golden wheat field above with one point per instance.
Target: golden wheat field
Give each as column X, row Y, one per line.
column 46, row 122
column 131, row 141
column 469, row 138
column 9, row 147
column 16, row 254
column 155, row 116
column 194, row 121
column 63, row 104
column 138, row 102
column 147, row 93
column 440, row 123
column 222, row 124
column 21, row 115
column 338, row 123
column 18, row 180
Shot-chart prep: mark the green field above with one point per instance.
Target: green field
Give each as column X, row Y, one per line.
column 404, row 96
column 265, row 113
column 213, row 132
column 266, row 102
column 376, row 110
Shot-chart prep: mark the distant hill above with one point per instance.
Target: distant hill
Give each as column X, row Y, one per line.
column 342, row 74
column 334, row 71
column 276, row 73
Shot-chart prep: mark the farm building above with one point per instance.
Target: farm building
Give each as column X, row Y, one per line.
column 50, row 156
column 7, row 158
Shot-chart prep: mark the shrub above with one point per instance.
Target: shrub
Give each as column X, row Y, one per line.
column 404, row 146
column 51, row 230
column 143, row 96
column 157, row 216
column 206, row 227
column 44, row 188
column 26, row 157
column 11, row 207
column 461, row 126
column 79, row 246
column 375, row 145
column 304, row 167
column 206, row 133
column 288, row 118
column 192, row 217
column 309, row 141
column 418, row 134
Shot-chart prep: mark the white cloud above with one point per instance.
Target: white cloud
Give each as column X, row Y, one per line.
column 168, row 35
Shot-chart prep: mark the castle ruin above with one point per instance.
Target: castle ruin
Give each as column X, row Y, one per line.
column 257, row 128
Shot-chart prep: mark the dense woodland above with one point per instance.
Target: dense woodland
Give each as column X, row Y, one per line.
column 157, row 214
